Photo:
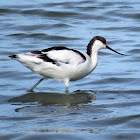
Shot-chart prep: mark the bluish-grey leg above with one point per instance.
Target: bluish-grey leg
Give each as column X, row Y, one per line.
column 66, row 90
column 31, row 90
column 66, row 83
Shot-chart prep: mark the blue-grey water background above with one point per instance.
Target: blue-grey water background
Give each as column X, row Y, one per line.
column 115, row 83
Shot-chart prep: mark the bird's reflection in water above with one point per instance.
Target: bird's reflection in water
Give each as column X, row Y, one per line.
column 46, row 98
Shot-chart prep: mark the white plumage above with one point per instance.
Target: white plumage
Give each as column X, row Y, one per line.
column 63, row 64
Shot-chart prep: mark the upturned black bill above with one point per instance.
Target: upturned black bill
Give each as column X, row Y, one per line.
column 114, row 50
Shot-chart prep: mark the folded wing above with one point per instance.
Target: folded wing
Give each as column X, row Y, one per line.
column 60, row 55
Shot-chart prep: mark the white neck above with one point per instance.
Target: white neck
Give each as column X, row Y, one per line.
column 94, row 57
column 92, row 50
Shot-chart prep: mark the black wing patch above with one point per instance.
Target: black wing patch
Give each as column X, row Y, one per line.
column 64, row 48
column 55, row 48
column 43, row 57
column 42, row 54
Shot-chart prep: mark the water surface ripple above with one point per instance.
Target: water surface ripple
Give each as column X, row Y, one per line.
column 105, row 104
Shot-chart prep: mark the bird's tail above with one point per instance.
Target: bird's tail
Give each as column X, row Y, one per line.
column 13, row 56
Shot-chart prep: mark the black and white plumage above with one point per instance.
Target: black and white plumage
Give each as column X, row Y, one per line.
column 62, row 63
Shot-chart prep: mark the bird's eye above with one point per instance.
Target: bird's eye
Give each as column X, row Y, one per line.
column 104, row 41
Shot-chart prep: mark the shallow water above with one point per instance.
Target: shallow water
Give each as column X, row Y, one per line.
column 109, row 107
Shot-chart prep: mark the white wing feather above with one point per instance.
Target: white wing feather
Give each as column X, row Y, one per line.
column 65, row 56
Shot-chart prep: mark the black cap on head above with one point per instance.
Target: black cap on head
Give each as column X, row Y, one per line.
column 89, row 47
column 102, row 39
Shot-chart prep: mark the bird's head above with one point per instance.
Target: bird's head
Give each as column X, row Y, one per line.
column 98, row 43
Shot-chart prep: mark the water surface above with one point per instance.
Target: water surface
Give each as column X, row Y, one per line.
column 112, row 109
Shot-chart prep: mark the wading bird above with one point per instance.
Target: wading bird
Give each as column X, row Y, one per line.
column 62, row 63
